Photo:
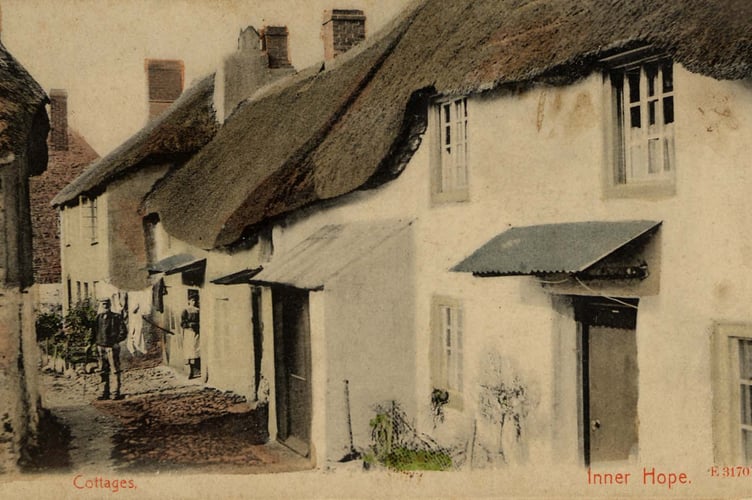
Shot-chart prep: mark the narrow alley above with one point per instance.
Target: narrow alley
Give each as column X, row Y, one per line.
column 165, row 422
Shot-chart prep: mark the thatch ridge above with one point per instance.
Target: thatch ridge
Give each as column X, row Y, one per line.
column 255, row 158
column 186, row 126
column 451, row 48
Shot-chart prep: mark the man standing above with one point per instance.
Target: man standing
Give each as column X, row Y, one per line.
column 109, row 331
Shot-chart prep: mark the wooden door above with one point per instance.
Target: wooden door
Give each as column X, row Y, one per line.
column 613, row 393
column 293, row 368
column 609, row 378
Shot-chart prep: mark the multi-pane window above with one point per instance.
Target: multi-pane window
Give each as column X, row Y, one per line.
column 447, row 348
column 89, row 221
column 450, row 182
column 745, row 393
column 451, row 333
column 66, row 215
column 643, row 96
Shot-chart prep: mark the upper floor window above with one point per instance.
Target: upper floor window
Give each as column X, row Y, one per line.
column 447, row 350
column 450, row 173
column 89, row 222
column 643, row 140
column 64, row 225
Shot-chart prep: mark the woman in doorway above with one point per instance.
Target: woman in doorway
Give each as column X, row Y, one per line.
column 189, row 321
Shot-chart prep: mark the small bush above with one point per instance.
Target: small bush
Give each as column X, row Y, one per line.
column 404, row 459
column 397, row 445
column 70, row 338
column 48, row 325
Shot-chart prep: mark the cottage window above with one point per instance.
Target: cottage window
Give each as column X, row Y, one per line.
column 732, row 389
column 450, row 176
column 642, row 94
column 67, row 226
column 447, row 352
column 89, row 222
column 745, row 397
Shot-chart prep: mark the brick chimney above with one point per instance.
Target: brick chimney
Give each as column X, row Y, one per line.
column 274, row 43
column 342, row 30
column 164, row 79
column 261, row 58
column 58, row 119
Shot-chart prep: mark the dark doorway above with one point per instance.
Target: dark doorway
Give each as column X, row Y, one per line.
column 292, row 368
column 609, row 378
column 258, row 337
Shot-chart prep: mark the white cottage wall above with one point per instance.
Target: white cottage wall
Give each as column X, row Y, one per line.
column 370, row 340
column 535, row 157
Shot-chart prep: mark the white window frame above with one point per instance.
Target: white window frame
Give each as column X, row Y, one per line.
column 66, row 214
column 728, row 427
column 447, row 348
column 90, row 218
column 643, row 159
column 450, row 177
column 745, row 383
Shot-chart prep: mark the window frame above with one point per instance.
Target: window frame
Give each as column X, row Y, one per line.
column 619, row 178
column 441, row 350
column 726, row 377
column 442, row 189
column 90, row 218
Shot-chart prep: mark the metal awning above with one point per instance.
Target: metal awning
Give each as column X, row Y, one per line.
column 552, row 248
column 176, row 264
column 238, row 278
column 321, row 256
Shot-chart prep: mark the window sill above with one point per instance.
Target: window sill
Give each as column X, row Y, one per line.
column 654, row 190
column 450, row 197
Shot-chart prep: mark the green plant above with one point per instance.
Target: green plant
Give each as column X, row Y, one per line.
column 439, row 399
column 48, row 325
column 79, row 341
column 397, row 445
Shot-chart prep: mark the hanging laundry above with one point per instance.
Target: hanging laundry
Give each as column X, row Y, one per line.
column 139, row 306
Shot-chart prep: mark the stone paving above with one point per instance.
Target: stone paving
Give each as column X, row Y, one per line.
column 166, row 422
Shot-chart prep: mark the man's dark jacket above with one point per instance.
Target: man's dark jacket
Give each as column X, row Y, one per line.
column 109, row 329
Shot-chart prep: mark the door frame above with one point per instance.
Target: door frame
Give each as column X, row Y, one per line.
column 597, row 311
column 281, row 298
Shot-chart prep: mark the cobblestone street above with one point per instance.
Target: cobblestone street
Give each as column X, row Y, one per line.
column 165, row 422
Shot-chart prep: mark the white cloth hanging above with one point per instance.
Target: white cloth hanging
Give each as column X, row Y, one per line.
column 139, row 305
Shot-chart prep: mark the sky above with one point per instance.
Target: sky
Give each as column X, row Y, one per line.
column 95, row 49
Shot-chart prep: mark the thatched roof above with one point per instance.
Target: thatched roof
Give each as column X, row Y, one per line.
column 22, row 101
column 181, row 130
column 355, row 125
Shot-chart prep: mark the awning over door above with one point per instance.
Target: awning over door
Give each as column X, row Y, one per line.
column 552, row 248
column 238, row 278
column 177, row 263
column 321, row 256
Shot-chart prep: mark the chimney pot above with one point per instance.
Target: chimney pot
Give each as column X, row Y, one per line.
column 274, row 43
column 165, row 83
column 59, row 119
column 341, row 30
